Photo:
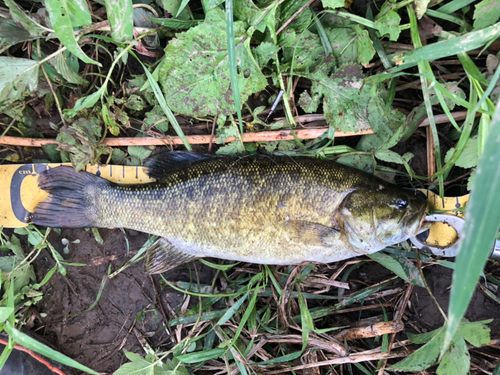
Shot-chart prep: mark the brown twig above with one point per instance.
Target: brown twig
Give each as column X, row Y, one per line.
column 374, row 330
column 293, row 16
column 327, row 345
column 279, row 135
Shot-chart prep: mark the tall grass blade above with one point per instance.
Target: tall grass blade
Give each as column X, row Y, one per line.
column 481, row 227
column 231, row 54
column 42, row 349
column 163, row 104
column 425, row 68
column 448, row 47
column 454, row 5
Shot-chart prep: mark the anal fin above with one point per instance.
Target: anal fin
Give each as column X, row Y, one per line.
column 162, row 256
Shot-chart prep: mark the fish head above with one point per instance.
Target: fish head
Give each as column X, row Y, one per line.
column 373, row 219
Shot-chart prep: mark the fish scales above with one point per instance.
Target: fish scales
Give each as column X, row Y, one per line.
column 274, row 210
column 236, row 206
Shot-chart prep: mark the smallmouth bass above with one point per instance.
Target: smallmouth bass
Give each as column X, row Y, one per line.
column 259, row 209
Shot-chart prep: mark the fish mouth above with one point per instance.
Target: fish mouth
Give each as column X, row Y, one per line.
column 416, row 222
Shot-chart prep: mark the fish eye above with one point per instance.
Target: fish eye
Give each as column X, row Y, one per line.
column 401, row 203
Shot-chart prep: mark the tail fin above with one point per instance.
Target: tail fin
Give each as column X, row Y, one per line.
column 69, row 204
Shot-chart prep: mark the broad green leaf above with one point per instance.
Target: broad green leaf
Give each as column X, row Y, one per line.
column 468, row 158
column 476, row 333
column 365, row 45
column 363, row 162
column 67, row 73
column 341, row 39
column 456, row 361
column 136, row 366
column 232, row 148
column 385, row 124
column 78, row 12
column 121, row 19
column 304, row 52
column 18, row 78
column 12, row 33
column 195, row 71
column 173, row 6
column 64, row 15
column 210, row 4
column 481, row 227
column 344, row 103
column 486, row 13
column 393, row 157
column 401, row 266
column 307, row 103
column 265, row 52
column 44, row 350
column 140, row 152
column 389, row 24
column 423, row 357
column 423, row 338
column 333, row 3
column 171, row 367
column 19, row 15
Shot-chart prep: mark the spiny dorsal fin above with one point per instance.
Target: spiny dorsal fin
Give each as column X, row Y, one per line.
column 165, row 163
column 162, row 256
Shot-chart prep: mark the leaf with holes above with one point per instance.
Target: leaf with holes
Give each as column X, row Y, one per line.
column 195, row 71
column 18, row 78
column 121, row 20
column 64, row 16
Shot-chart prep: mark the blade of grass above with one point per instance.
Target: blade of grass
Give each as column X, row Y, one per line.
column 448, row 47
column 454, row 5
column 481, row 227
column 231, row 54
column 448, row 17
column 42, row 349
column 163, row 104
column 424, row 67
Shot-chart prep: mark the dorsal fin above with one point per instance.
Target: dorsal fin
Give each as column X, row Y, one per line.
column 162, row 256
column 165, row 163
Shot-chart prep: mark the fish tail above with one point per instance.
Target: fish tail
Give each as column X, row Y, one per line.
column 71, row 203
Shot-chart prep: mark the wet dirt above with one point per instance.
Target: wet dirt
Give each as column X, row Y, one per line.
column 128, row 308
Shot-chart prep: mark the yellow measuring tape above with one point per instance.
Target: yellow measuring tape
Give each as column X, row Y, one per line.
column 441, row 234
column 20, row 195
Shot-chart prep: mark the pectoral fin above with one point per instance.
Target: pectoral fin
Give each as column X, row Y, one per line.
column 313, row 234
column 162, row 256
